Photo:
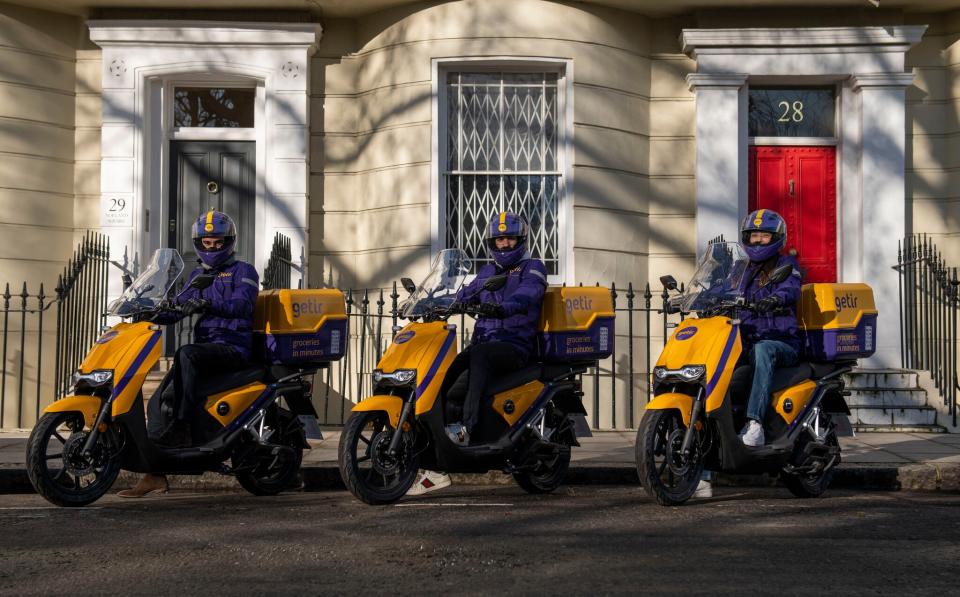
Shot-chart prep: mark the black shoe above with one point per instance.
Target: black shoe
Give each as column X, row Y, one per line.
column 176, row 436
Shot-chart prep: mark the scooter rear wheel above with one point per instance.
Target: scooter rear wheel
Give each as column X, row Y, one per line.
column 57, row 467
column 275, row 473
column 368, row 471
column 811, row 485
column 546, row 477
column 666, row 476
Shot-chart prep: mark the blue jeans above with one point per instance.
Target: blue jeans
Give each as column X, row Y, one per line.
column 765, row 356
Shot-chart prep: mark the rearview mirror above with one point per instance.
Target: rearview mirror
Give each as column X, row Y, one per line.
column 408, row 285
column 202, row 281
column 781, row 273
column 668, row 282
column 495, row 282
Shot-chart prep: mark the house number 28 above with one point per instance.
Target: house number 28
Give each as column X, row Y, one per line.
column 791, row 112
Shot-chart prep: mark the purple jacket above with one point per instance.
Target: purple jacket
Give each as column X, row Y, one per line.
column 520, row 298
column 232, row 296
column 781, row 325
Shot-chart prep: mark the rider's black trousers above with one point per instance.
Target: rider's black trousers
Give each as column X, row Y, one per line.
column 193, row 361
column 487, row 361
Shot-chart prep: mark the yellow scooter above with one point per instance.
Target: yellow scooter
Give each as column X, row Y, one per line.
column 526, row 424
column 82, row 441
column 700, row 392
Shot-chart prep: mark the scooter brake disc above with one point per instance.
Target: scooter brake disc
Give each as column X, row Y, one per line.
column 380, row 460
column 73, row 459
column 678, row 465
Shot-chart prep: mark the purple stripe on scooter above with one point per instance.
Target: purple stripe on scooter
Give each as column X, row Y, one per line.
column 435, row 365
column 132, row 370
column 727, row 349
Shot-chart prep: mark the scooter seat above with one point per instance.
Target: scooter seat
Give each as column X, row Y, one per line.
column 517, row 378
column 552, row 371
column 221, row 382
column 789, row 376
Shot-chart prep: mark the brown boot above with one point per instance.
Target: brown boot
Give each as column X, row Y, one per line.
column 147, row 484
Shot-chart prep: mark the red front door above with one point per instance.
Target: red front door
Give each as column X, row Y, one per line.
column 800, row 183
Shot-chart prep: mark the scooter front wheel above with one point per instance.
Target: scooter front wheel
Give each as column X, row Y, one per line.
column 57, row 466
column 369, row 471
column 664, row 472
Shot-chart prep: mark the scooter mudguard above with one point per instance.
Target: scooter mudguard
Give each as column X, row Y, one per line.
column 389, row 404
column 668, row 401
column 89, row 406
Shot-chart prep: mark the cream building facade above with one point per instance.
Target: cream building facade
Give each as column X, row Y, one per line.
column 382, row 131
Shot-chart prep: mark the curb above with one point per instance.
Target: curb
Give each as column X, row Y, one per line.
column 326, row 477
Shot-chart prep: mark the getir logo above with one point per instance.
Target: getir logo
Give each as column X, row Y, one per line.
column 580, row 303
column 844, row 302
column 307, row 307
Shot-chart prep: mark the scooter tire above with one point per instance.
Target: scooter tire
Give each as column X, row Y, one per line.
column 805, row 486
column 276, row 482
column 651, row 427
column 358, row 481
column 50, row 486
column 541, row 481
column 271, row 482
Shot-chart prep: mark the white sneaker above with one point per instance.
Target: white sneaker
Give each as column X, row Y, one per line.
column 752, row 434
column 429, row 481
column 704, row 490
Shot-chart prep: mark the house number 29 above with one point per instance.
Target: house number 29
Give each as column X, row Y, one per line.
column 792, row 112
column 117, row 205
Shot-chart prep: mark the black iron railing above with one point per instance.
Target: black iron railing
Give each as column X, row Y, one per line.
column 929, row 302
column 41, row 349
column 279, row 268
column 615, row 391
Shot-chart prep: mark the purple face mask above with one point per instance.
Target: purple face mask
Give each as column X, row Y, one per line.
column 216, row 257
column 763, row 252
column 509, row 257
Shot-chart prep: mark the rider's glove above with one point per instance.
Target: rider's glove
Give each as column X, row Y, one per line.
column 768, row 305
column 194, row 306
column 491, row 310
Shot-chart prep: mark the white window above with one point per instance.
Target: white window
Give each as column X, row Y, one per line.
column 501, row 149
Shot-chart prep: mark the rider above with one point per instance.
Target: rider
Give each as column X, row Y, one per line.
column 223, row 332
column 505, row 332
column 769, row 331
column 504, row 335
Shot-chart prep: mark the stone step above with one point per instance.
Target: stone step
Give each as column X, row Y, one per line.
column 894, row 415
column 882, row 378
column 900, row 429
column 886, row 397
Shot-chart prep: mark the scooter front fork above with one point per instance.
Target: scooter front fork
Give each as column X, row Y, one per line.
column 695, row 412
column 404, row 415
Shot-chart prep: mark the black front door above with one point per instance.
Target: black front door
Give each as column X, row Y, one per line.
column 207, row 175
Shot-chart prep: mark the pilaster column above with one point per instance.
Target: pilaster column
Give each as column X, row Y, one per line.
column 883, row 126
column 721, row 167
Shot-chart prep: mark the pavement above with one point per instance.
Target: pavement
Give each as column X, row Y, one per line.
column 875, row 461
column 492, row 540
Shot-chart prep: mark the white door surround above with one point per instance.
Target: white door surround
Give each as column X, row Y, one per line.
column 867, row 63
column 141, row 61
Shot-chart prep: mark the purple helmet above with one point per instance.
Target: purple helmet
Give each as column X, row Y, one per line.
column 215, row 224
column 763, row 220
column 507, row 225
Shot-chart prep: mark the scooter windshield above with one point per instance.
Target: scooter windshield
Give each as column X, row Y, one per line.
column 439, row 289
column 151, row 286
column 718, row 278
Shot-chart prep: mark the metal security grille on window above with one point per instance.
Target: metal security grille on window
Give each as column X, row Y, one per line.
column 502, row 156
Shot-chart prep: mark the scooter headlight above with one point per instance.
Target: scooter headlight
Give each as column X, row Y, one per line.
column 687, row 373
column 94, row 379
column 400, row 377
